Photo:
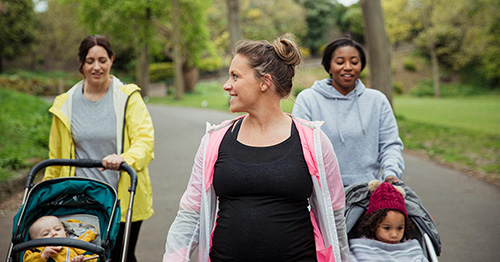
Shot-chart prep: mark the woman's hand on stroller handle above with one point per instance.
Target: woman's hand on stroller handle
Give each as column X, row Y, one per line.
column 112, row 162
column 392, row 179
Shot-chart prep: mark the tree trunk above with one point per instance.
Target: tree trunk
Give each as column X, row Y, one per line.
column 431, row 44
column 190, row 75
column 233, row 22
column 142, row 69
column 142, row 65
column 177, row 56
column 435, row 72
column 378, row 46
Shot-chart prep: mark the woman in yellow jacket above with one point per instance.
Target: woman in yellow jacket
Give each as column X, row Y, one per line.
column 101, row 118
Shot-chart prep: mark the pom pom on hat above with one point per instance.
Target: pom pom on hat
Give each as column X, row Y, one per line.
column 385, row 195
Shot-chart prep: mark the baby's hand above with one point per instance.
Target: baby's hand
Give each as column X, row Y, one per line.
column 78, row 258
column 48, row 251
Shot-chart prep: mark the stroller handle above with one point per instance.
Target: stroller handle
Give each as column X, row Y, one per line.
column 88, row 163
column 67, row 242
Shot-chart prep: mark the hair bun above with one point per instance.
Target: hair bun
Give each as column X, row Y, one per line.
column 287, row 50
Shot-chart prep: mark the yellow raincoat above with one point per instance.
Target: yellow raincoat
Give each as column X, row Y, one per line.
column 135, row 142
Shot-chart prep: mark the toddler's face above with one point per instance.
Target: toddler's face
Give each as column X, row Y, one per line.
column 47, row 227
column 392, row 228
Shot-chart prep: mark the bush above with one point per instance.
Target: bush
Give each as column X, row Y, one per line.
column 210, row 64
column 397, row 87
column 164, row 72
column 38, row 83
column 409, row 65
column 159, row 72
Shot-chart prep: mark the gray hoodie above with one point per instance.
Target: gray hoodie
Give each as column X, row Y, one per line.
column 361, row 127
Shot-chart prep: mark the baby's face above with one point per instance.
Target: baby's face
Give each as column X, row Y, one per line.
column 392, row 228
column 48, row 227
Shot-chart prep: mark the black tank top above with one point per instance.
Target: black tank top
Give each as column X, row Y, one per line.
column 263, row 202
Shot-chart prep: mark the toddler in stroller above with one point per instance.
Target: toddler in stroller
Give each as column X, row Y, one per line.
column 386, row 231
column 51, row 226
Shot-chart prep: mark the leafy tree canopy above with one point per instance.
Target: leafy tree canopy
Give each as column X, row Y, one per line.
column 17, row 27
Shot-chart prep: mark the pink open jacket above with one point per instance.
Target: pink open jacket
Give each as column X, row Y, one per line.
column 197, row 213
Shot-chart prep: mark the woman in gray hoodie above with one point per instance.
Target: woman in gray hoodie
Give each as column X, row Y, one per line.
column 359, row 121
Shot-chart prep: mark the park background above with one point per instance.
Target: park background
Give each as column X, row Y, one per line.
column 440, row 66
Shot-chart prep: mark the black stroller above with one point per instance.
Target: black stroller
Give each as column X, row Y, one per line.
column 357, row 199
column 90, row 200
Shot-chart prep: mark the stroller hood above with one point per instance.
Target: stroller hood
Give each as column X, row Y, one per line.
column 64, row 196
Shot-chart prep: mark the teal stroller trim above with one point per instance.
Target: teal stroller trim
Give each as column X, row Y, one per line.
column 72, row 195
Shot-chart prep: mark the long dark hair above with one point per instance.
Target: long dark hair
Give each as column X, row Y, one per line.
column 89, row 42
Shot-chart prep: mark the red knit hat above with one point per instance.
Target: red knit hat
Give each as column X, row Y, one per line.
column 386, row 196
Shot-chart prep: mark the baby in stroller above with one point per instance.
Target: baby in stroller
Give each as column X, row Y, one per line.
column 385, row 230
column 51, row 226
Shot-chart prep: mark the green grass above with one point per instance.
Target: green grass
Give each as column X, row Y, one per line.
column 479, row 114
column 209, row 95
column 24, row 131
column 462, row 131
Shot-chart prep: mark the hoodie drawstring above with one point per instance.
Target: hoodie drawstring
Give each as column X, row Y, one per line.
column 359, row 112
column 338, row 125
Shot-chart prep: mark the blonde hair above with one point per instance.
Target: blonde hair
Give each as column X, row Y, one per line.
column 278, row 59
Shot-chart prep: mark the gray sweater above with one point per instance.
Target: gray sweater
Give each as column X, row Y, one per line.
column 361, row 127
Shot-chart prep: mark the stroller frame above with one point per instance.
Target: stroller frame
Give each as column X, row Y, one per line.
column 17, row 246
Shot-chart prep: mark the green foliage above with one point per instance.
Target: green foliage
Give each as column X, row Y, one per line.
column 40, row 83
column 352, row 20
column 317, row 25
column 24, row 132
column 159, row 72
column 426, row 88
column 128, row 21
column 59, row 33
column 270, row 19
column 409, row 64
column 195, row 35
column 401, row 22
column 466, row 36
column 216, row 22
column 17, row 22
column 210, row 64
column 397, row 87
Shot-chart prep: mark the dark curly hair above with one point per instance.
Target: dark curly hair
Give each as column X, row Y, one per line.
column 368, row 224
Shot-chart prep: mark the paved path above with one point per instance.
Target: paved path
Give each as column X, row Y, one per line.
column 466, row 210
